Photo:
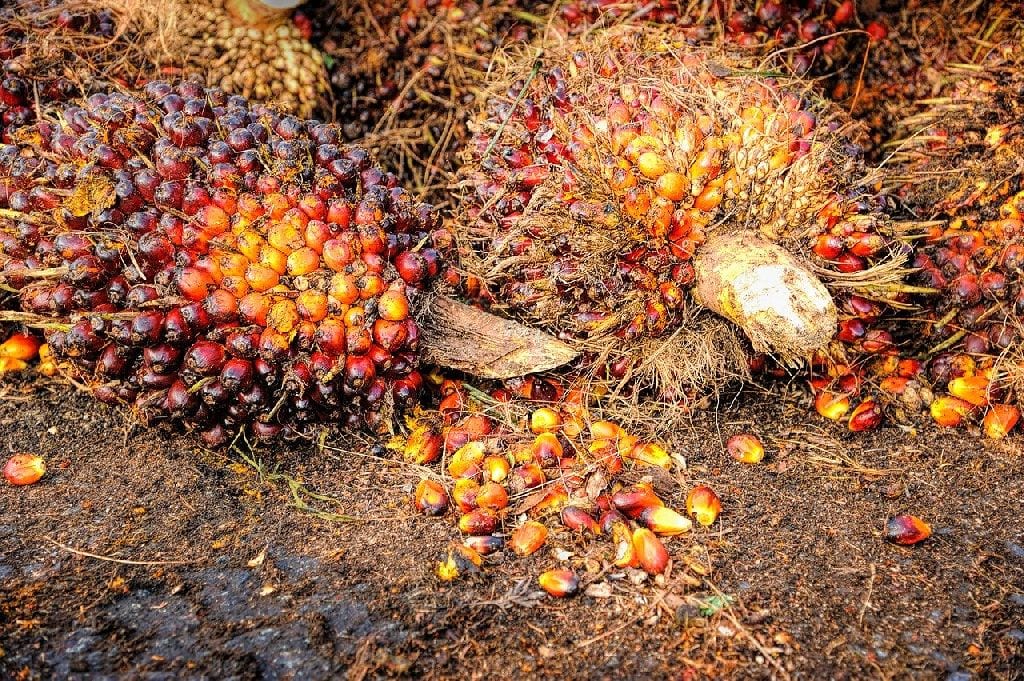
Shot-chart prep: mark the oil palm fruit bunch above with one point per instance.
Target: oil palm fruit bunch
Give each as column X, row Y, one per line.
column 555, row 476
column 405, row 72
column 621, row 190
column 51, row 51
column 957, row 164
column 216, row 263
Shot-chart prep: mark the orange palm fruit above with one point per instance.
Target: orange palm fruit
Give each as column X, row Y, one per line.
column 651, row 454
column 467, row 460
column 650, row 552
column 833, row 406
column 464, row 494
column 950, row 411
column 528, row 537
column 545, row 420
column 973, row 389
column 1000, row 420
column 703, row 504
column 906, row 530
column 560, row 582
column 423, row 446
column 430, row 498
column 20, row 346
column 665, row 522
column 745, row 447
column 24, row 469
column 492, row 496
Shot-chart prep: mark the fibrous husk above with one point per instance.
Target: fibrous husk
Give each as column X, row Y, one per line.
column 553, row 231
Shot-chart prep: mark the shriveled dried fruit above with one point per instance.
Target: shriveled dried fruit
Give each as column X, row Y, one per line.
column 24, row 469
column 559, row 582
column 906, row 530
column 703, row 504
column 745, row 447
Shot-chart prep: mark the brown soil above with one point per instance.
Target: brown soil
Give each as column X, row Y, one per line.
column 244, row 584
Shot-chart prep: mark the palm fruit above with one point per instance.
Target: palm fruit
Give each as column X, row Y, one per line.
column 406, row 72
column 957, row 167
column 216, row 263
column 250, row 48
column 620, row 187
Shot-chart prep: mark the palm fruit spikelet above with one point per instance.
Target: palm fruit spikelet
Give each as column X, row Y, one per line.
column 215, row 263
column 611, row 181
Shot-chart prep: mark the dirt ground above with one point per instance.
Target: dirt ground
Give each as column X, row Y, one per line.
column 140, row 555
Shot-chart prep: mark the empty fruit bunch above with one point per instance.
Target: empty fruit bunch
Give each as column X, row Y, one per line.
column 215, row 263
column 619, row 188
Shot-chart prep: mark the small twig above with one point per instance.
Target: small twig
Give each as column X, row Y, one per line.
column 867, row 597
column 515, row 105
column 121, row 561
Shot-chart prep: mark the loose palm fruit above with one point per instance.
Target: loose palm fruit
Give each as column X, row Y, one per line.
column 12, row 365
column 1000, row 419
column 545, row 420
column 20, row 346
column 430, row 498
column 972, row 389
column 464, row 494
column 745, row 448
column 528, row 537
column 950, row 411
column 492, row 496
column 865, row 416
column 423, row 446
column 650, row 552
column 478, row 522
column 24, row 469
column 496, row 468
column 146, row 310
column 635, row 501
column 650, row 454
column 833, row 406
column 704, row 505
column 485, row 545
column 578, row 520
column 665, row 521
column 458, row 561
column 467, row 461
column 906, row 530
column 560, row 582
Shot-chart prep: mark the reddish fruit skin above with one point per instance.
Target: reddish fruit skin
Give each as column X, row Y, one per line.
column 24, row 469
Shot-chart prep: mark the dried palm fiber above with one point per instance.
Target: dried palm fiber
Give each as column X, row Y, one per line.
column 622, row 186
column 214, row 263
column 83, row 46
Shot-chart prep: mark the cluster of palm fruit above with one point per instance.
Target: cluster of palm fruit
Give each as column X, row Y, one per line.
column 608, row 179
column 220, row 264
column 518, row 488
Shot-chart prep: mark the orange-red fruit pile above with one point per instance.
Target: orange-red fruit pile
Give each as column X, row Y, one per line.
column 217, row 263
column 519, row 495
